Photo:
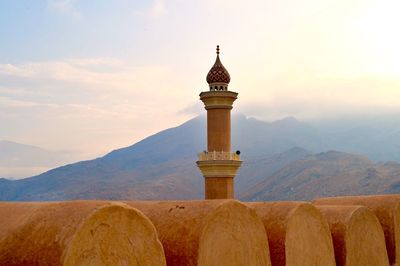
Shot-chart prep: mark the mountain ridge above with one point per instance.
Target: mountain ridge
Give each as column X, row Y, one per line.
column 19, row 160
column 162, row 166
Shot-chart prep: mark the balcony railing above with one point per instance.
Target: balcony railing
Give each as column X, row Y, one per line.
column 218, row 155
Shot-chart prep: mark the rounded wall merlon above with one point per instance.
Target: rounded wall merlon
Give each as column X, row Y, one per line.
column 298, row 234
column 208, row 232
column 357, row 235
column 387, row 210
column 77, row 233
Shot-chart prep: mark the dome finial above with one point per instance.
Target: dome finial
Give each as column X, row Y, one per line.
column 218, row 74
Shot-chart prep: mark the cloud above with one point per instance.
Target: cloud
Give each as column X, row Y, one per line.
column 65, row 7
column 193, row 109
column 22, row 172
column 92, row 73
column 305, row 59
column 90, row 104
column 322, row 98
column 12, row 103
column 158, row 8
column 155, row 10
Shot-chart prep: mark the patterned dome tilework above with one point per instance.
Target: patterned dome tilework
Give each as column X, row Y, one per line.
column 218, row 73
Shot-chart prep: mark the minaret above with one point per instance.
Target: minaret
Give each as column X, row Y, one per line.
column 218, row 164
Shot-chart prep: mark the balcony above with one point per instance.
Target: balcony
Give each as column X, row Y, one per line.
column 218, row 156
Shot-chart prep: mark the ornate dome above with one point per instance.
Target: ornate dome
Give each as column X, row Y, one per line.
column 218, row 73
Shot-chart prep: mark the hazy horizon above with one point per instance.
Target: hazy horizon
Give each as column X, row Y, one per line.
column 375, row 137
column 92, row 76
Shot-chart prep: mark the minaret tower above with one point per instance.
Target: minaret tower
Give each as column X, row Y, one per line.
column 218, row 164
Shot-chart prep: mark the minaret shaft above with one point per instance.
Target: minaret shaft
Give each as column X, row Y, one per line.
column 219, row 188
column 218, row 164
column 219, row 130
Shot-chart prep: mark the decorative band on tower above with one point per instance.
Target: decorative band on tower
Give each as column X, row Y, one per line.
column 218, row 164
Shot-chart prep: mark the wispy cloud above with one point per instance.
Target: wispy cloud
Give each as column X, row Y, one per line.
column 158, row 8
column 92, row 100
column 155, row 10
column 94, row 73
column 6, row 102
column 192, row 109
column 65, row 7
column 305, row 59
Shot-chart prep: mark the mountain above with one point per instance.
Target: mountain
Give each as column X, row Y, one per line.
column 376, row 137
column 327, row 174
column 20, row 160
column 161, row 166
column 283, row 158
column 256, row 168
column 255, row 137
column 143, row 170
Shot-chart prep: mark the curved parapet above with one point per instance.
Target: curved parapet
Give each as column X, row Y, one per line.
column 212, row 233
column 386, row 208
column 77, row 233
column 298, row 234
column 357, row 236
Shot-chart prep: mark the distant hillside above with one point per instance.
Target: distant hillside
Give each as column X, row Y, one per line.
column 327, row 174
column 20, row 160
column 375, row 137
column 162, row 166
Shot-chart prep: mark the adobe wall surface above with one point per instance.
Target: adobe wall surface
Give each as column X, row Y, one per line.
column 297, row 232
column 76, row 233
column 386, row 208
column 206, row 232
column 209, row 232
column 357, row 236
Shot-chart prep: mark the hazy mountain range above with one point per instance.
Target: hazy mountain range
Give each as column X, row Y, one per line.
column 286, row 159
column 19, row 160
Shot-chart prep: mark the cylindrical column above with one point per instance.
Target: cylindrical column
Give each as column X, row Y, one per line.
column 219, row 167
column 219, row 129
column 219, row 188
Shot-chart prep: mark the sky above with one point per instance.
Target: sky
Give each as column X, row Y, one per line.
column 96, row 75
